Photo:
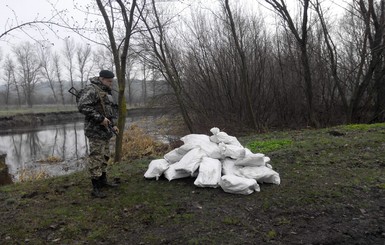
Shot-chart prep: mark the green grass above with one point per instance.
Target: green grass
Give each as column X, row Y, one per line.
column 363, row 127
column 268, row 145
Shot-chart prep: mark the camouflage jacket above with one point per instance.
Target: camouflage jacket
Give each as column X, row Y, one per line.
column 96, row 102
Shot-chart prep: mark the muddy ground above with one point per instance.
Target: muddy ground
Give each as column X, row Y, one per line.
column 332, row 192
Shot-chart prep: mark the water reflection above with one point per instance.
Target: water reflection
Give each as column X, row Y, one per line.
column 27, row 152
column 27, row 149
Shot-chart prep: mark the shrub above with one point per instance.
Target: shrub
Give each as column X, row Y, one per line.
column 137, row 144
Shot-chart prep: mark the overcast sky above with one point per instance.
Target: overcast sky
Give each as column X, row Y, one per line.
column 13, row 12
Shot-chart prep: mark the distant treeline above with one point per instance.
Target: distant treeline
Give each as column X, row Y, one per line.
column 228, row 68
column 141, row 95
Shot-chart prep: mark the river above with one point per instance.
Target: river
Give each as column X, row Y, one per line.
column 27, row 149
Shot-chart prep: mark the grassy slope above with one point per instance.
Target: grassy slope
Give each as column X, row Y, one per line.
column 332, row 192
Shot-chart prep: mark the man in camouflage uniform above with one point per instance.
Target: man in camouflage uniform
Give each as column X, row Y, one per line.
column 96, row 103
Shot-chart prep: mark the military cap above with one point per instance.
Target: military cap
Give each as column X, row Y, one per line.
column 106, row 74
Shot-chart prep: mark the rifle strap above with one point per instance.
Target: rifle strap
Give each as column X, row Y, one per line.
column 98, row 90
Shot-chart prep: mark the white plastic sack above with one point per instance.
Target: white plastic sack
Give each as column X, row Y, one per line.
column 255, row 160
column 171, row 173
column 190, row 162
column 219, row 137
column 183, row 149
column 212, row 150
column 229, row 168
column 261, row 174
column 235, row 152
column 238, row 185
column 266, row 160
column 192, row 141
column 156, row 168
column 195, row 139
column 210, row 172
column 173, row 156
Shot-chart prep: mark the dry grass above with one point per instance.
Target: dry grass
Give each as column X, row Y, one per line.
column 51, row 159
column 31, row 175
column 137, row 144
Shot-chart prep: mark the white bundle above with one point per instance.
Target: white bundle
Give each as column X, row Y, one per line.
column 261, row 174
column 238, row 185
column 254, row 160
column 190, row 162
column 235, row 152
column 209, row 157
column 156, row 168
column 192, row 141
column 223, row 137
column 171, row 173
column 209, row 173
column 173, row 156
column 229, row 168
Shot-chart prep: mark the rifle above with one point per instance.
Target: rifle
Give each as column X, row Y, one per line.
column 76, row 93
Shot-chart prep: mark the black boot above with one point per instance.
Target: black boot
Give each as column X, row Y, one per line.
column 105, row 183
column 96, row 184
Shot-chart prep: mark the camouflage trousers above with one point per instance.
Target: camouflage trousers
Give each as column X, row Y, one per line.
column 98, row 157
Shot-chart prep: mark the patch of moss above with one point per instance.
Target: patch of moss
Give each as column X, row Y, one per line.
column 230, row 220
column 363, row 127
column 268, row 145
column 271, row 234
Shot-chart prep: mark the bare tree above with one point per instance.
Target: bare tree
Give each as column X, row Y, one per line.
column 129, row 80
column 373, row 15
column 9, row 68
column 119, row 45
column 103, row 59
column 333, row 56
column 58, row 75
column 83, row 54
column 166, row 58
column 301, row 36
column 69, row 54
column 48, row 69
column 244, row 67
column 28, row 68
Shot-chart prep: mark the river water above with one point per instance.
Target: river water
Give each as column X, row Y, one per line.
column 28, row 149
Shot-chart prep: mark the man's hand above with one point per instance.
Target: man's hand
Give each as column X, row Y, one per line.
column 105, row 122
column 116, row 129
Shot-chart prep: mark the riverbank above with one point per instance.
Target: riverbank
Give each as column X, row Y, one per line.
column 332, row 192
column 35, row 119
column 17, row 119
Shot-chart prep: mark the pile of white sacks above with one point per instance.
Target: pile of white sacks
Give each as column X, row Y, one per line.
column 216, row 160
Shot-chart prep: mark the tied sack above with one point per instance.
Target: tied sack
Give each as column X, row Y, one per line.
column 171, row 173
column 156, row 169
column 209, row 173
column 238, row 185
column 192, row 141
column 229, row 168
column 190, row 162
column 173, row 156
column 253, row 160
column 232, row 151
column 223, row 137
column 261, row 174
